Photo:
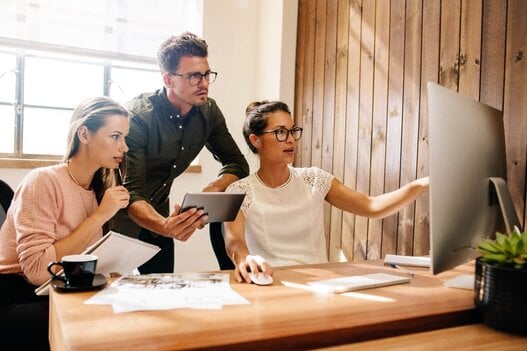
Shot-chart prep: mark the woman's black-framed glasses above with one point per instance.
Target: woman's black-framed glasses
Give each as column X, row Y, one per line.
column 282, row 134
column 195, row 78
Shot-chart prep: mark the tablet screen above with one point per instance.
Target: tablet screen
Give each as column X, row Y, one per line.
column 220, row 206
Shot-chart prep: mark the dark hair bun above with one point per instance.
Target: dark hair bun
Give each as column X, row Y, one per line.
column 253, row 106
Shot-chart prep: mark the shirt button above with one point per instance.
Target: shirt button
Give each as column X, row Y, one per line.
column 178, row 116
column 170, row 116
column 174, row 166
column 180, row 127
column 182, row 148
column 164, row 185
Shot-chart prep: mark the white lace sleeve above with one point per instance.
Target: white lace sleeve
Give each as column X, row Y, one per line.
column 242, row 186
column 317, row 179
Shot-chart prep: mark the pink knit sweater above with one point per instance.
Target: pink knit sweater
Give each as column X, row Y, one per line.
column 47, row 206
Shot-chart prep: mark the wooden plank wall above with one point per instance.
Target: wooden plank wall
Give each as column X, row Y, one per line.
column 362, row 69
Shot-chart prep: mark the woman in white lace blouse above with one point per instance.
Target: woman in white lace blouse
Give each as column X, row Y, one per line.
column 281, row 221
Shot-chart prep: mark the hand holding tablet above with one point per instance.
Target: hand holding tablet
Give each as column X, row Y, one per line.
column 219, row 206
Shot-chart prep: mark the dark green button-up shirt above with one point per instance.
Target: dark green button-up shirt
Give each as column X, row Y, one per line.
column 162, row 145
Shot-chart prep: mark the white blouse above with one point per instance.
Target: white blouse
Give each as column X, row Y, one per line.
column 285, row 225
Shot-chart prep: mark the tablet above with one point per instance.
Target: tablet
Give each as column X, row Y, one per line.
column 220, row 206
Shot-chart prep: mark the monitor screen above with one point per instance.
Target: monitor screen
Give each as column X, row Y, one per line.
column 466, row 157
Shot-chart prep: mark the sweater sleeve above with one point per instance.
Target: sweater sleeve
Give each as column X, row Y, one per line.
column 36, row 216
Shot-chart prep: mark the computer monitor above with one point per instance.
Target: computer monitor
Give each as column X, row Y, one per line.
column 469, row 200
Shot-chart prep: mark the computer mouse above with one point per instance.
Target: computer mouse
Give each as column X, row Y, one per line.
column 259, row 278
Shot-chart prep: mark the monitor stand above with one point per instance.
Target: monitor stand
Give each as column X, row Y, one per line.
column 498, row 187
column 463, row 281
column 508, row 213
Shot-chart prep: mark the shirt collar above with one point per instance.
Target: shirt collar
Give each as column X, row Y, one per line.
column 169, row 110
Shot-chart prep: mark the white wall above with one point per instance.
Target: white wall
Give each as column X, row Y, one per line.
column 246, row 40
column 252, row 46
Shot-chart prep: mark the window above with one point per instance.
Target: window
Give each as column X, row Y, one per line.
column 8, row 69
column 125, row 83
column 53, row 54
column 39, row 91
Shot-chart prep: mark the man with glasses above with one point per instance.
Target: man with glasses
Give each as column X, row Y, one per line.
column 168, row 129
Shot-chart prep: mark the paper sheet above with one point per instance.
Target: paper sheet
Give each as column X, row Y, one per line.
column 168, row 291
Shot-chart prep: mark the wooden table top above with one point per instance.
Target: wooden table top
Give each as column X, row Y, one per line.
column 472, row 337
column 278, row 316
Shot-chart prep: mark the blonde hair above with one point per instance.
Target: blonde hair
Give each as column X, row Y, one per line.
column 92, row 114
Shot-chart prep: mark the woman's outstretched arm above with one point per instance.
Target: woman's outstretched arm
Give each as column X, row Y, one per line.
column 378, row 206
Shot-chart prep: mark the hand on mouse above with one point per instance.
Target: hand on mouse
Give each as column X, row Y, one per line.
column 259, row 278
column 252, row 263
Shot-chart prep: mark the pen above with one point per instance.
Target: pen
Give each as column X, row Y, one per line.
column 396, row 266
column 118, row 176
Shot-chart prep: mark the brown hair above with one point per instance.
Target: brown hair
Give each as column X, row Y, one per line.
column 174, row 48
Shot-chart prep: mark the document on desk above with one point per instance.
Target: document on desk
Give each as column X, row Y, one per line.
column 403, row 260
column 358, row 282
column 168, row 291
column 116, row 253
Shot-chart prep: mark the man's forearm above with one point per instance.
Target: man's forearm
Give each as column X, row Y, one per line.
column 221, row 183
column 147, row 217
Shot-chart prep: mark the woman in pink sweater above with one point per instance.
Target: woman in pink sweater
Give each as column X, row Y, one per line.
column 57, row 211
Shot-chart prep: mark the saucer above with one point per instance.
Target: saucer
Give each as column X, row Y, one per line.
column 99, row 281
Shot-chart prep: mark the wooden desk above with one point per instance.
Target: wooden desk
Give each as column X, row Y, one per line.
column 278, row 316
column 463, row 338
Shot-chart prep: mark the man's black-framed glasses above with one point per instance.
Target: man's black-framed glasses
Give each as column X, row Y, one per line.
column 195, row 78
column 282, row 134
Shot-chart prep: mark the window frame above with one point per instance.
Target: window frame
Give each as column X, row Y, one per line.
column 21, row 50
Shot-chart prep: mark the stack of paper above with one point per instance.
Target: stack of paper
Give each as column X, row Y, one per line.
column 168, row 291
column 417, row 261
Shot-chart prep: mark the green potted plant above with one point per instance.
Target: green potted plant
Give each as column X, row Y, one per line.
column 501, row 282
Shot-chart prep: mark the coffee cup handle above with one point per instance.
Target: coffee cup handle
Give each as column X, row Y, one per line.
column 56, row 276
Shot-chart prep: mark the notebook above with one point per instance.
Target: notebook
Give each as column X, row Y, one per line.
column 116, row 253
column 358, row 282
